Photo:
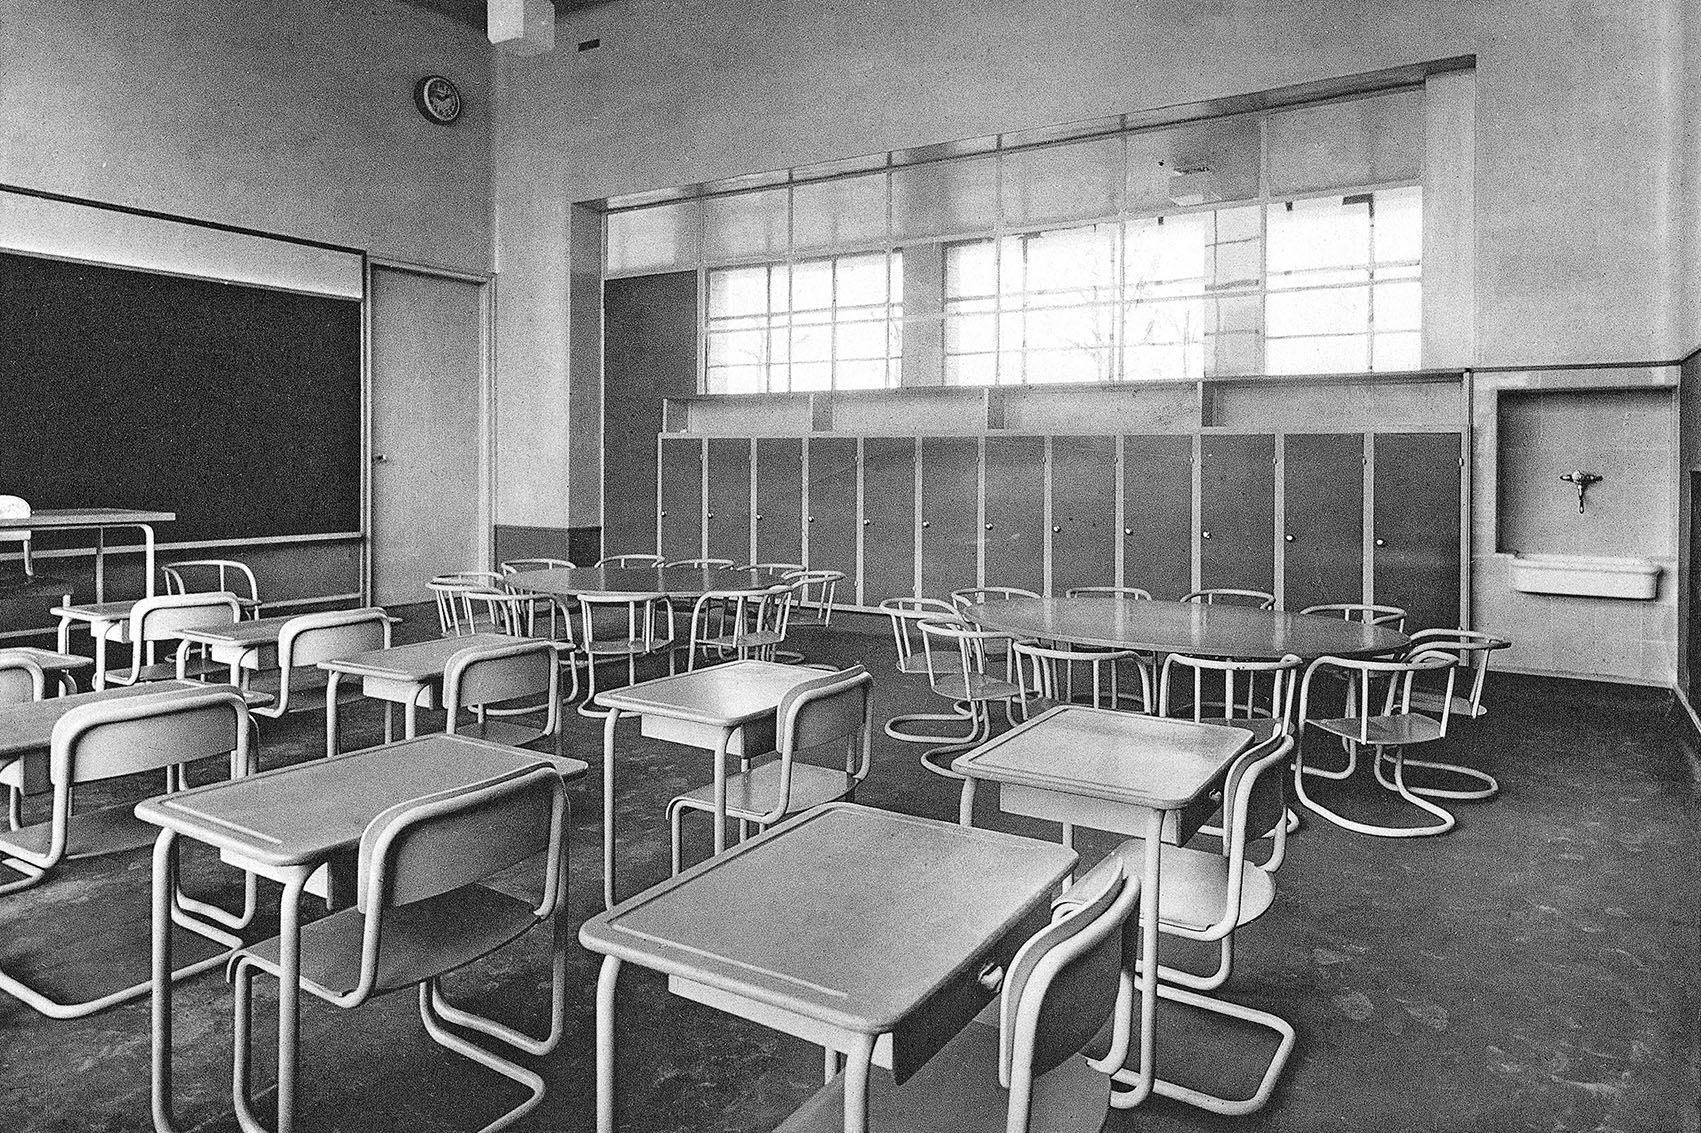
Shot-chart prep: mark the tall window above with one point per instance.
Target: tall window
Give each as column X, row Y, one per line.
column 811, row 325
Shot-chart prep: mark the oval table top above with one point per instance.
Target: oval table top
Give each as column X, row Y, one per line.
column 1236, row 632
column 684, row 583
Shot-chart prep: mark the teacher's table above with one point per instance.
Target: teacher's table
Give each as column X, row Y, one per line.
column 1115, row 771
column 684, row 583
column 409, row 675
column 860, row 930
column 726, row 709
column 283, row 824
column 98, row 520
column 1192, row 628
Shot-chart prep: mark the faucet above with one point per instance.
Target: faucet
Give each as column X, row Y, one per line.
column 1582, row 480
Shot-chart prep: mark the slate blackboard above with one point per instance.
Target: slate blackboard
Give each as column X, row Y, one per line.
column 236, row 407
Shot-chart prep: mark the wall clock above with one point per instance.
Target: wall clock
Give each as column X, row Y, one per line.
column 438, row 99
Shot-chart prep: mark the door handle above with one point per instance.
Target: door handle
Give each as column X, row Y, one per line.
column 711, row 515
column 664, row 515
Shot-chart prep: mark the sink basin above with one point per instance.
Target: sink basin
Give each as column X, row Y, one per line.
column 1589, row 576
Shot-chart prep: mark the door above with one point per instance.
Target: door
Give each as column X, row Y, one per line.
column 680, row 501
column 729, row 500
column 888, row 518
column 779, row 500
column 1322, row 519
column 1015, row 512
column 950, row 510
column 1237, row 511
column 1083, row 512
column 429, row 456
column 1417, row 493
column 829, row 517
column 1157, row 514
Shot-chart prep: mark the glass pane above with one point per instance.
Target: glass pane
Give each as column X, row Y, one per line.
column 1400, row 351
column 1339, row 310
column 812, row 285
column 861, row 279
column 860, row 374
column 860, row 340
column 747, row 225
column 1398, row 306
column 1166, row 255
column 1316, row 235
column 967, row 334
column 970, row 269
column 838, row 213
column 1085, row 327
column 811, row 375
column 1163, row 362
column 736, row 348
column 811, row 343
column 1073, row 259
column 1068, row 366
column 1399, row 225
column 1148, row 323
column 971, row 370
column 1012, row 367
column 1346, row 354
column 651, row 239
column 944, row 198
column 1079, row 180
column 735, row 379
column 738, row 291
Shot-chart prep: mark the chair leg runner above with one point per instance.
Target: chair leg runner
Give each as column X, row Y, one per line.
column 1266, row 1084
column 938, row 759
column 898, row 726
column 1490, row 785
column 513, row 1071
column 519, row 1040
column 1345, row 823
column 80, row 1009
column 242, row 1045
column 675, row 820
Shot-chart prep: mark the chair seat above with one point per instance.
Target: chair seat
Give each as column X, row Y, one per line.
column 621, row 648
column 958, row 1090
column 92, row 834
column 1194, row 888
column 1407, row 729
column 975, row 686
column 754, row 793
column 917, row 663
column 1433, row 702
column 420, row 940
column 500, row 732
column 1263, row 728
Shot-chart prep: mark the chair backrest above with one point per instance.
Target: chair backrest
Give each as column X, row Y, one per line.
column 1255, row 806
column 954, row 648
column 630, row 561
column 191, row 575
column 833, row 707
column 1364, row 612
column 22, row 679
column 975, row 595
column 726, row 619
column 648, row 618
column 1231, row 596
column 704, row 563
column 782, row 569
column 823, row 583
column 162, row 616
column 311, row 638
column 1062, row 985
column 490, row 674
column 471, row 602
column 1046, row 676
column 521, row 566
column 1470, row 647
column 1133, row 592
column 1248, row 688
column 908, row 613
column 1364, row 705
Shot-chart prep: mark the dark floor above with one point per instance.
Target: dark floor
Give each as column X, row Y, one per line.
column 1534, row 969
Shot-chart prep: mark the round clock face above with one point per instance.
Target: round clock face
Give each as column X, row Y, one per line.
column 438, row 99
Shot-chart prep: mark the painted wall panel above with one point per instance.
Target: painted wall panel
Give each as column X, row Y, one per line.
column 1237, row 511
column 728, row 512
column 779, row 500
column 831, row 514
column 1083, row 512
column 950, row 531
column 888, row 518
column 1157, row 514
column 1417, row 485
column 1015, row 512
column 1322, row 519
column 681, row 497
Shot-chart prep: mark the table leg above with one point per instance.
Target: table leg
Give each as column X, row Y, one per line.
column 97, row 630
column 147, row 559
column 289, row 998
column 608, row 808
column 720, row 788
column 331, row 681
column 165, row 869
column 100, row 566
column 966, row 803
column 857, row 1064
column 1148, row 980
column 605, row 1043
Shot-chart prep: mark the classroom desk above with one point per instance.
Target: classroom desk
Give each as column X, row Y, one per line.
column 1115, row 771
column 99, row 520
column 60, row 667
column 726, row 709
column 859, row 930
column 102, row 618
column 283, row 824
column 409, row 675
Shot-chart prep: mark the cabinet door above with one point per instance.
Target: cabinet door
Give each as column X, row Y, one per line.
column 950, row 510
column 831, row 514
column 888, row 518
column 1015, row 512
column 1083, row 512
column 1418, row 485
column 1157, row 514
column 729, row 500
column 779, row 500
column 1322, row 519
column 1237, row 511
column 681, row 495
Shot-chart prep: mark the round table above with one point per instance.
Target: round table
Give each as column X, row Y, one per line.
column 1191, row 628
column 684, row 583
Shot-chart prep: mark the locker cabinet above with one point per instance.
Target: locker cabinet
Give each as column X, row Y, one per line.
column 1157, row 514
column 1237, row 511
column 779, row 500
column 830, row 517
column 950, row 506
column 1322, row 519
column 1083, row 512
column 1015, row 512
column 680, row 516
column 888, row 518
column 728, row 512
column 1415, row 555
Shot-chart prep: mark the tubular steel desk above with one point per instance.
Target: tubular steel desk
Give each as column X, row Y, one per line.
column 1113, row 771
column 409, row 675
column 60, row 667
column 98, row 520
column 726, row 709
column 859, row 930
column 282, row 825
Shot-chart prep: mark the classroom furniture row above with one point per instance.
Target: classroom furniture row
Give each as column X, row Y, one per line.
column 1310, row 517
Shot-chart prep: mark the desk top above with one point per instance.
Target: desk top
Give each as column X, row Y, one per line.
column 685, row 583
column 295, row 815
column 249, row 631
column 420, row 661
column 47, row 659
column 1185, row 627
column 96, row 611
column 29, row 727
column 1120, row 757
column 88, row 517
column 720, row 696
column 845, row 914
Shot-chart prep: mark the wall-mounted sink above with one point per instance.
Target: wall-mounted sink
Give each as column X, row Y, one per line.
column 1592, row 576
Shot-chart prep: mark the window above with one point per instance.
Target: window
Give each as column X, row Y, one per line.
column 811, row 325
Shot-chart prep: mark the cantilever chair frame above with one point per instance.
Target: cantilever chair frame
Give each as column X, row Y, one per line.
column 639, row 561
column 644, row 612
column 461, row 680
column 747, row 623
column 144, row 628
column 964, row 662
column 1230, row 595
column 1472, row 648
column 225, row 568
column 1365, row 612
column 1042, row 663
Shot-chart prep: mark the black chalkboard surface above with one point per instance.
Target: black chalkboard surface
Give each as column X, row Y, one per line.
column 236, row 407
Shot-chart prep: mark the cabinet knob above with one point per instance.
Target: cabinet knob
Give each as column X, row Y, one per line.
column 1056, row 527
column 1287, row 538
column 664, row 515
column 1204, row 534
column 711, row 515
column 758, row 517
column 1128, row 531
column 868, row 523
column 926, row 523
column 1382, row 542
column 989, row 527
column 812, row 519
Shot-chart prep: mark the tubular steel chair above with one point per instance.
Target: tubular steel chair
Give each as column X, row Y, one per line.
column 1016, row 1066
column 157, row 619
column 905, row 615
column 740, row 623
column 560, row 612
column 423, row 911
column 1229, row 596
column 700, row 563
column 648, row 630
column 1392, row 727
column 109, row 739
column 1472, row 650
column 1131, row 592
column 194, row 575
column 975, row 595
column 817, row 610
column 1361, row 612
column 1045, row 676
column 1207, row 895
column 476, row 601
column 957, row 669
column 305, row 641
column 630, row 561
column 521, row 566
column 481, row 676
column 837, row 708
column 22, row 680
